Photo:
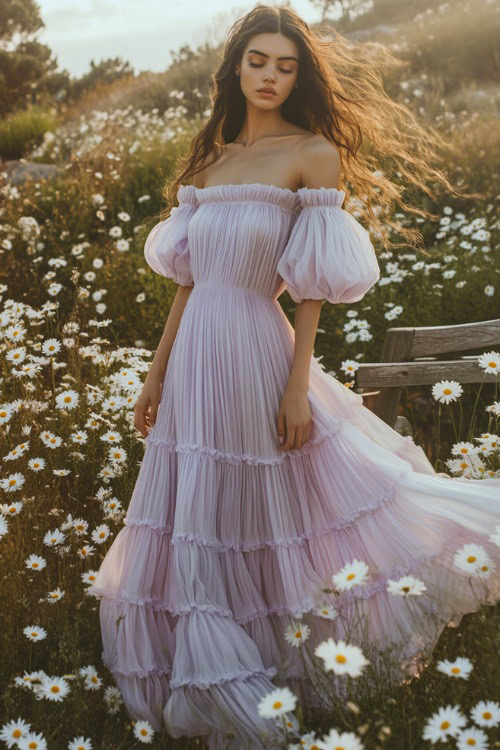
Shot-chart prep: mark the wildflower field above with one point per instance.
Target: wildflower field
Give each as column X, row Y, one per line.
column 80, row 316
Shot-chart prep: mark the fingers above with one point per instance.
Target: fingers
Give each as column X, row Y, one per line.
column 295, row 436
column 142, row 418
column 281, row 429
column 153, row 414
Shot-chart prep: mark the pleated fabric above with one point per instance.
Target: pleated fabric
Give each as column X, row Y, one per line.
column 228, row 540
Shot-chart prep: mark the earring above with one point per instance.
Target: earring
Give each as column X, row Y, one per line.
column 236, row 72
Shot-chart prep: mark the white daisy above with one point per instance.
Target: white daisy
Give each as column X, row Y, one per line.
column 89, row 577
column 92, row 681
column 51, row 346
column 55, row 595
column 32, row 741
column 79, row 743
column 13, row 731
column 349, row 366
column 36, row 464
column 35, row 633
column 113, row 699
column 86, row 671
column 80, row 525
column 143, row 731
column 352, row 574
column 290, row 722
column 341, row 657
column 490, row 362
column 486, row 713
column 85, row 551
column 50, row 440
column 111, row 437
column 461, row 667
column 472, row 737
column 276, row 703
column 54, row 688
column 297, row 633
column 447, row 722
column 13, row 482
column 117, row 454
column 100, row 533
column 35, row 562
column 473, row 559
column 339, row 741
column 67, row 400
column 464, row 448
column 52, row 538
column 446, row 390
column 326, row 611
column 406, row 586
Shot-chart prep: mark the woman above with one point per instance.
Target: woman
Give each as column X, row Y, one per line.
column 262, row 475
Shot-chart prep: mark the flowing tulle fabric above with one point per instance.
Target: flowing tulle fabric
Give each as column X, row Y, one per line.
column 227, row 539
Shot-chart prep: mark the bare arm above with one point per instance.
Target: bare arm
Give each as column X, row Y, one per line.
column 321, row 168
column 146, row 406
column 160, row 360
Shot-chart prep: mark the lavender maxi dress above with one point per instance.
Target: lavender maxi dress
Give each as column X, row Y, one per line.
column 227, row 540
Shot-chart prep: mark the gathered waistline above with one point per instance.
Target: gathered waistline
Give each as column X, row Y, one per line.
column 232, row 287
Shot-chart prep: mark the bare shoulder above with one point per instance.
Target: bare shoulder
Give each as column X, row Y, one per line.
column 200, row 177
column 320, row 163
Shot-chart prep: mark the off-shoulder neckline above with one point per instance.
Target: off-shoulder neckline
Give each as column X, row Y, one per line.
column 260, row 184
column 285, row 198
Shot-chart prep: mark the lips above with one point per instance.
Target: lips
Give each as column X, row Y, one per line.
column 266, row 91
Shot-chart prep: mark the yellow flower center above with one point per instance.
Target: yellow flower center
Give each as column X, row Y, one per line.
column 298, row 634
column 406, row 589
column 456, row 670
column 67, row 399
column 487, row 715
column 351, row 576
column 144, row 732
column 491, row 364
column 471, row 559
column 16, row 733
column 471, row 741
column 277, row 704
column 447, row 391
column 55, row 688
column 340, row 658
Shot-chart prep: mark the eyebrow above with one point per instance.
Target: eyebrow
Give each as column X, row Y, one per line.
column 288, row 57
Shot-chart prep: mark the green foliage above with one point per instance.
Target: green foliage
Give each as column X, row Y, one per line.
column 22, row 131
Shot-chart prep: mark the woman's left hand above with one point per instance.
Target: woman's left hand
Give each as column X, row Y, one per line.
column 294, row 419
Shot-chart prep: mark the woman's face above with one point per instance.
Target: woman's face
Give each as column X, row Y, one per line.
column 270, row 60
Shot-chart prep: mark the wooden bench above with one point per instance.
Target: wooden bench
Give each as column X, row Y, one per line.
column 401, row 345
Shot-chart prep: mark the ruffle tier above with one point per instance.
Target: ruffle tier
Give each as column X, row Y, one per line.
column 196, row 595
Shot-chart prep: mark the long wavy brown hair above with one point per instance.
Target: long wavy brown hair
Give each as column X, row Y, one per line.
column 341, row 95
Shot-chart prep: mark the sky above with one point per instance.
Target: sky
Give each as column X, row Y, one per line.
column 141, row 32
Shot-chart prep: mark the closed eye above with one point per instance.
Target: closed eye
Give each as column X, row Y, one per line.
column 254, row 65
